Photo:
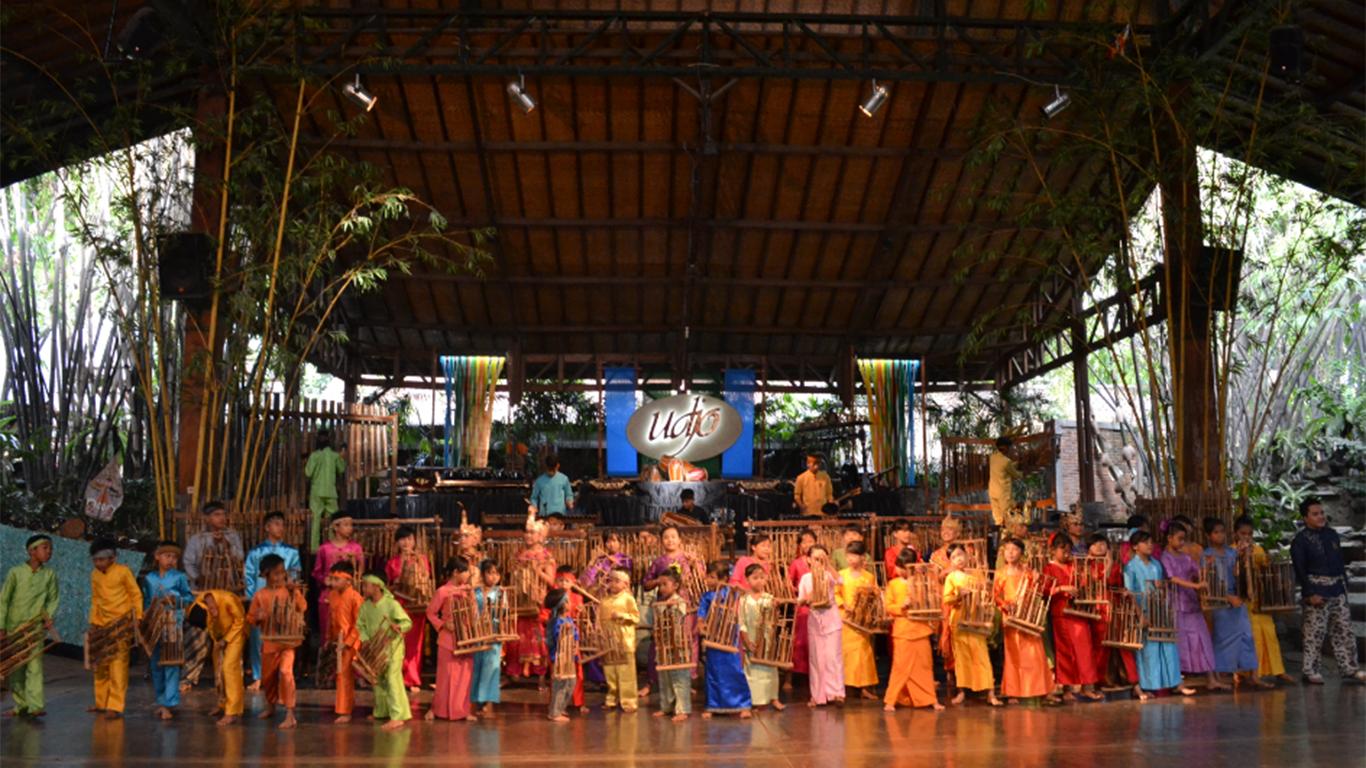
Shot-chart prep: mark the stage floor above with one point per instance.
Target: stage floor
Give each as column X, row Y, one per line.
column 1292, row 726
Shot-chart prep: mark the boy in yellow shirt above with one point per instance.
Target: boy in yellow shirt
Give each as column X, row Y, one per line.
column 220, row 614
column 113, row 594
column 620, row 613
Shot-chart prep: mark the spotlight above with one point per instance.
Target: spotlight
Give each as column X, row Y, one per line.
column 359, row 96
column 1060, row 102
column 517, row 90
column 875, row 100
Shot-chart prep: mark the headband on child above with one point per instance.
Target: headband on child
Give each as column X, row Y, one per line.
column 34, row 541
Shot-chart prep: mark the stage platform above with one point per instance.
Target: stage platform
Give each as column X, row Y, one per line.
column 1289, row 726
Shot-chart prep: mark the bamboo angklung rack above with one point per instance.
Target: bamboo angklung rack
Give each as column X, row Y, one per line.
column 415, row 584
column 250, row 525
column 376, row 539
column 499, row 608
column 780, row 583
column 867, row 615
column 925, row 598
column 566, row 666
column 373, row 659
column 976, row 606
column 22, row 645
column 1125, row 629
column 674, row 648
column 599, row 639
column 1271, row 587
column 1217, row 588
column 284, row 625
column 1159, row 617
column 1194, row 504
column 1029, row 610
column 1090, row 599
column 829, row 532
column 721, row 628
column 777, row 635
column 159, row 627
column 925, row 531
column 976, row 550
column 221, row 569
column 103, row 643
column 472, row 629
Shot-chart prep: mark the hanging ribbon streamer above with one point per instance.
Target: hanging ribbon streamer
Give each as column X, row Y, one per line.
column 471, row 386
column 890, row 385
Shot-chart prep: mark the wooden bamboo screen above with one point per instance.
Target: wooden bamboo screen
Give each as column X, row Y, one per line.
column 964, row 461
column 1194, row 504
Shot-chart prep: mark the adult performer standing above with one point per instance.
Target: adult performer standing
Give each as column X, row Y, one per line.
column 814, row 489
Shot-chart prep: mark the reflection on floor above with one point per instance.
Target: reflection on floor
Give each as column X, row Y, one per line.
column 1291, row 726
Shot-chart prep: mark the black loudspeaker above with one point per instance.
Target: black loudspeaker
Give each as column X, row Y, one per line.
column 184, row 266
column 1287, row 53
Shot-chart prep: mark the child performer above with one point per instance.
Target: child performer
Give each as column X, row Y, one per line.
column 30, row 591
column 675, row 685
column 488, row 663
column 860, row 670
column 948, row 534
column 220, row 614
column 901, row 541
column 256, row 579
column 529, row 652
column 1114, row 666
column 760, row 553
column 171, row 587
column 1269, row 660
column 971, row 664
column 799, row 568
column 566, row 580
column 339, row 547
column 341, row 630
column 277, row 660
column 1158, row 665
column 1017, row 527
column 113, row 593
column 595, row 575
column 1074, row 657
column 727, row 688
column 405, row 538
column 561, row 691
column 852, row 533
column 1025, row 673
column 1234, row 650
column 619, row 613
column 1195, row 647
column 912, row 680
column 453, row 672
column 823, row 628
column 471, row 545
column 380, row 608
column 1322, row 576
column 763, row 679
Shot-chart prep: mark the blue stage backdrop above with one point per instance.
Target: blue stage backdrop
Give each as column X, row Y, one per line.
column 619, row 403
column 738, row 460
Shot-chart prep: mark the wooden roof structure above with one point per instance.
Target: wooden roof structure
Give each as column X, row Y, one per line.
column 697, row 187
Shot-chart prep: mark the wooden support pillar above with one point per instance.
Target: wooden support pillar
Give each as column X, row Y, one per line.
column 1198, row 445
column 1081, row 383
column 198, row 349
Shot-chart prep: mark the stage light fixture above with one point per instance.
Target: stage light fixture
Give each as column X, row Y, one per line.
column 359, row 96
column 1060, row 102
column 875, row 100
column 517, row 90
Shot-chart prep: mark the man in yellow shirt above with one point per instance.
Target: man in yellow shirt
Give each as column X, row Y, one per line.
column 814, row 489
column 1001, row 471
column 220, row 613
column 113, row 594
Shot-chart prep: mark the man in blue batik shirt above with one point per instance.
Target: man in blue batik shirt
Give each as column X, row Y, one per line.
column 551, row 494
column 255, row 580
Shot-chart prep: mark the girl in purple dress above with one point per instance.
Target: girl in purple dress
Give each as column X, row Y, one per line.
column 1192, row 635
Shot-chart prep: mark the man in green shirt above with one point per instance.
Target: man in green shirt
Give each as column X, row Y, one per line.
column 30, row 590
column 322, row 470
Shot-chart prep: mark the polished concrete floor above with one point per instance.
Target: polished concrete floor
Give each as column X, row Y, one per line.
column 1290, row 726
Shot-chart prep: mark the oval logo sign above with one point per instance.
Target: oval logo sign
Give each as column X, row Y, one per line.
column 688, row 427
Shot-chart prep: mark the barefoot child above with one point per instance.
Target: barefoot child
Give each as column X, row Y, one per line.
column 763, row 680
column 339, row 548
column 860, row 669
column 1270, row 662
column 1231, row 628
column 825, row 656
column 727, row 688
column 1158, row 665
column 675, row 685
column 1025, row 673
column 256, row 579
column 453, row 672
column 619, row 613
column 1194, row 645
column 277, row 659
column 113, row 593
column 30, row 591
column 1073, row 654
column 912, row 679
column 485, row 690
column 405, row 539
column 561, row 691
column 219, row 613
column 380, row 608
column 171, row 587
column 345, row 601
column 971, row 664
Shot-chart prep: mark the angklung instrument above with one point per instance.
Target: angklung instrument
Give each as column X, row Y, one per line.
column 23, row 644
column 1125, row 629
column 160, row 628
column 566, row 665
column 976, row 607
column 674, row 648
column 866, row 613
column 1159, row 617
column 777, row 635
column 105, row 642
column 284, row 624
column 373, row 659
column 221, row 568
column 925, row 593
column 1029, row 610
column 721, row 627
column 1090, row 599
